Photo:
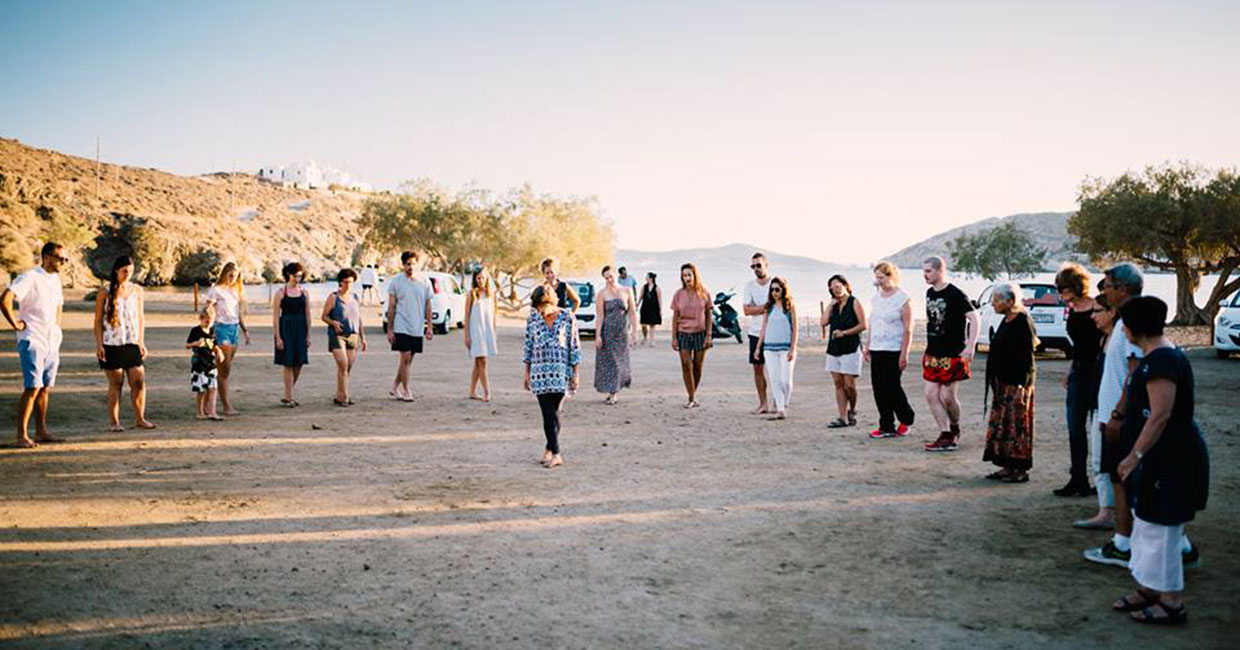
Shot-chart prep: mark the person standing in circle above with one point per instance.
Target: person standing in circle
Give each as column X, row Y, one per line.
column 691, row 320
column 409, row 320
column 777, row 340
column 952, row 328
column 1011, row 374
column 1072, row 282
column 756, row 296
column 290, row 323
column 551, row 353
column 627, row 281
column 39, row 336
column 891, row 334
column 227, row 298
column 616, row 329
column 346, row 336
column 120, row 342
column 480, row 308
column 846, row 320
column 651, row 307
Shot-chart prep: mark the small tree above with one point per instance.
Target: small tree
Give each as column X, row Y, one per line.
column 1005, row 249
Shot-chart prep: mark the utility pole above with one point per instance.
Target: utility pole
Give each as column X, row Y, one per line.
column 97, row 168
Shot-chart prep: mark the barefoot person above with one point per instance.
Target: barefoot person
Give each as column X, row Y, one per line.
column 120, row 342
column 41, row 302
column 616, row 329
column 1164, row 463
column 651, row 307
column 346, row 336
column 777, row 341
column 203, row 365
column 952, row 328
column 227, row 296
column 1010, row 376
column 846, row 320
column 480, row 307
column 755, row 298
column 551, row 354
column 290, row 324
column 409, row 320
column 691, row 316
column 891, row 334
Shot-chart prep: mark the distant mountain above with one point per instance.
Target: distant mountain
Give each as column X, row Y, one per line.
column 1049, row 230
column 723, row 256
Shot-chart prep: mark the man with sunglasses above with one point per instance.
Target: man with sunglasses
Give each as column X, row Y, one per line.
column 41, row 302
column 756, row 292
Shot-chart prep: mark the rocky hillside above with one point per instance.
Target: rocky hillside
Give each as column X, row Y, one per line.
column 1049, row 229
column 179, row 228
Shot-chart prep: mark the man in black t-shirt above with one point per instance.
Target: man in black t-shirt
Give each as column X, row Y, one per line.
column 952, row 328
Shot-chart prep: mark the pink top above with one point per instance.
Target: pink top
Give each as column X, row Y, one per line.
column 692, row 310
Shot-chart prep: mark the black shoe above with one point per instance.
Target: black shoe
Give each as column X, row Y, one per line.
column 1074, row 489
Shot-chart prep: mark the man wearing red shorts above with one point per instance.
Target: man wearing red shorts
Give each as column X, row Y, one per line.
column 952, row 328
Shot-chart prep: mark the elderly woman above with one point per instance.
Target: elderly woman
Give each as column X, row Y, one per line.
column 1165, row 466
column 552, row 353
column 1010, row 374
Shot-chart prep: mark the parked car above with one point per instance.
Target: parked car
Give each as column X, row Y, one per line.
column 1227, row 327
column 586, row 325
column 447, row 302
column 1048, row 311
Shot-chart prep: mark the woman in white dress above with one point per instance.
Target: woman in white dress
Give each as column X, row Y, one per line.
column 480, row 307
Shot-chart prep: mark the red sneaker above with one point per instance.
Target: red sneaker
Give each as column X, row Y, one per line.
column 878, row 434
column 945, row 442
column 902, row 430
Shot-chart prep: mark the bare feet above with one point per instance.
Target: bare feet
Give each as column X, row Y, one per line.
column 144, row 424
column 228, row 410
column 25, row 443
column 546, row 458
column 761, row 410
column 475, row 397
column 555, row 461
column 115, row 427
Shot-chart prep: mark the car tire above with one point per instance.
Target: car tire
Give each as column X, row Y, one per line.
column 443, row 329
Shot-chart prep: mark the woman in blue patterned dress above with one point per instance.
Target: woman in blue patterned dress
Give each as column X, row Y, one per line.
column 552, row 352
column 617, row 328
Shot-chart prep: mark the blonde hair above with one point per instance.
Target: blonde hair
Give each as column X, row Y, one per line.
column 481, row 284
column 236, row 283
column 888, row 269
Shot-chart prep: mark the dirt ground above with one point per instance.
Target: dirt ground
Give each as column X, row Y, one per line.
column 430, row 524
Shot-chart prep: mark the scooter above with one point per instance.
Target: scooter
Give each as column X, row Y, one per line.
column 726, row 321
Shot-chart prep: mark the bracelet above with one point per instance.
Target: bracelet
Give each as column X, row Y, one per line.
column 1138, row 454
column 1116, row 415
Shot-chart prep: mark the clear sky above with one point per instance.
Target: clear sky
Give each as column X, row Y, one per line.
column 843, row 131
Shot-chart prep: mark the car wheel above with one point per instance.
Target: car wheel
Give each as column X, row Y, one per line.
column 443, row 329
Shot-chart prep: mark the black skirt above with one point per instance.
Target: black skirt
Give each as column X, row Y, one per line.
column 121, row 357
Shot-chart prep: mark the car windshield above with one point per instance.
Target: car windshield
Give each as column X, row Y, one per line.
column 1041, row 294
column 585, row 291
column 1235, row 300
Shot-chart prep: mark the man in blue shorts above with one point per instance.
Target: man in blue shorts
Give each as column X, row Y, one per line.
column 40, row 303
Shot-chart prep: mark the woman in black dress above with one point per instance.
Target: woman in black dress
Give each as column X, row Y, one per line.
column 1165, row 466
column 1010, row 374
column 651, row 307
column 290, row 322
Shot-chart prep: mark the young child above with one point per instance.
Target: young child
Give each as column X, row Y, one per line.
column 202, row 365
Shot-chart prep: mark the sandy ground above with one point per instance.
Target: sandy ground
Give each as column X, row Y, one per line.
column 430, row 524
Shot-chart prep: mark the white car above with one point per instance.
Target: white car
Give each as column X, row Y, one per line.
column 1048, row 311
column 586, row 324
column 447, row 302
column 1227, row 327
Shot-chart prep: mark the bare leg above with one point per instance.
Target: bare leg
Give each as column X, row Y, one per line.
column 699, row 358
column 41, row 434
column 951, row 405
column 936, row 406
column 850, row 392
column 686, row 373
column 473, row 379
column 209, row 403
column 351, row 355
column 116, row 382
column 200, row 405
column 759, row 383
column 288, row 383
column 1123, row 514
column 137, row 397
column 225, row 369
column 25, row 407
column 342, row 375
column 483, row 379
column 402, row 375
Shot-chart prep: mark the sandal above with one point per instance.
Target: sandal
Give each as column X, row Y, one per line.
column 339, row 402
column 1127, row 604
column 1000, row 475
column 1173, row 615
column 852, row 418
column 837, row 423
column 1016, row 477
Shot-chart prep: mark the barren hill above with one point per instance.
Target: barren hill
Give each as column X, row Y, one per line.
column 1049, row 230
column 177, row 226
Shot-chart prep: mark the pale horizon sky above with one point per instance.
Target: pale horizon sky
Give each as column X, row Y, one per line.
column 841, row 131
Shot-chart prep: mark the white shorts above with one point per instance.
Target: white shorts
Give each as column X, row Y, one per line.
column 848, row 364
column 1157, row 562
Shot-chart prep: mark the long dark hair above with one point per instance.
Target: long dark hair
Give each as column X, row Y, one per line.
column 785, row 302
column 114, row 286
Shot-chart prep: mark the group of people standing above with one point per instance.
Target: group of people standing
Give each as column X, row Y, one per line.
column 1129, row 394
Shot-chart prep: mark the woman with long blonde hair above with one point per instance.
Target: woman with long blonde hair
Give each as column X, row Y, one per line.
column 480, row 307
column 691, row 325
column 227, row 297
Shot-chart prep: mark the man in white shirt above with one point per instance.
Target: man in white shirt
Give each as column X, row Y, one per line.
column 369, row 280
column 409, row 320
column 41, row 303
column 756, row 292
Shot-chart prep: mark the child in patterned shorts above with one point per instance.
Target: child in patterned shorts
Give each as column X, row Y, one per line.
column 206, row 354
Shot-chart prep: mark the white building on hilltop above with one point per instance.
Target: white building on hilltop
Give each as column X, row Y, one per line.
column 309, row 175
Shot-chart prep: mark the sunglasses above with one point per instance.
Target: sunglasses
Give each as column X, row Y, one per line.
column 755, row 266
column 61, row 259
column 776, row 289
